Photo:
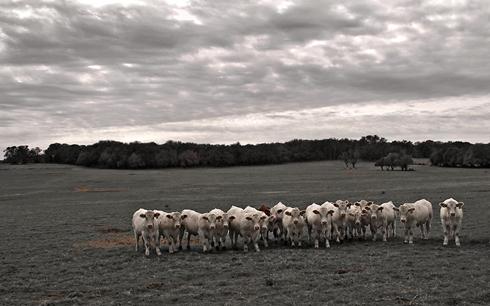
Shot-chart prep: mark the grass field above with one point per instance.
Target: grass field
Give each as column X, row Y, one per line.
column 65, row 238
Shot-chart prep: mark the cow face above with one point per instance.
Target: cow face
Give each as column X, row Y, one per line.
column 452, row 206
column 296, row 215
column 364, row 206
column 325, row 216
column 375, row 211
column 343, row 206
column 253, row 221
column 405, row 211
column 174, row 218
column 210, row 219
column 149, row 222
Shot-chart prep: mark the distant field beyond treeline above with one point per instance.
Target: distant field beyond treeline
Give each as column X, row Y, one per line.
column 136, row 155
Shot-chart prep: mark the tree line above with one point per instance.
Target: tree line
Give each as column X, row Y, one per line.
column 136, row 155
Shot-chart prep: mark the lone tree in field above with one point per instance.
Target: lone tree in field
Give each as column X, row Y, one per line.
column 350, row 157
column 393, row 160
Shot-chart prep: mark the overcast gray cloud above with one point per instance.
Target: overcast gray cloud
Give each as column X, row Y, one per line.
column 249, row 71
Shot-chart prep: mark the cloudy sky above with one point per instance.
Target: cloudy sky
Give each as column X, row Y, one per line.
column 224, row 71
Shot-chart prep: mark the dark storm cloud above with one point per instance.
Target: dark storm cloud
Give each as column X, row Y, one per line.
column 84, row 69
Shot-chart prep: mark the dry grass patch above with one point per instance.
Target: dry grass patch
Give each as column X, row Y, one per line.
column 90, row 189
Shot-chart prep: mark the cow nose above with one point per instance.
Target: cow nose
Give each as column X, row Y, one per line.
column 256, row 227
column 357, row 223
column 453, row 214
column 373, row 217
column 150, row 226
column 363, row 211
column 295, row 221
column 177, row 225
column 403, row 220
column 324, row 222
column 225, row 225
column 211, row 227
column 342, row 214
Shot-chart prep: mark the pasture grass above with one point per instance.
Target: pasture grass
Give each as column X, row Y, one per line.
column 66, row 238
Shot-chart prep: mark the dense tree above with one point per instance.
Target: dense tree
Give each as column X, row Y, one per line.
column 136, row 155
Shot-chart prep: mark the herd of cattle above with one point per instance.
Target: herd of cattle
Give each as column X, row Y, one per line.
column 340, row 220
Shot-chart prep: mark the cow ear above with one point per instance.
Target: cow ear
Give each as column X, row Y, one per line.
column 330, row 212
column 369, row 203
column 411, row 209
column 279, row 211
column 460, row 204
column 395, row 208
column 349, row 204
column 380, row 208
column 205, row 217
column 143, row 216
column 357, row 204
column 183, row 217
column 231, row 218
column 156, row 215
column 442, row 204
column 335, row 204
column 170, row 216
column 287, row 213
column 302, row 212
column 316, row 212
column 351, row 214
column 248, row 218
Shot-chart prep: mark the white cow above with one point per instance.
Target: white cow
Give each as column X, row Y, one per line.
column 365, row 217
column 221, row 227
column 234, row 213
column 337, row 220
column 145, row 224
column 293, row 223
column 341, row 217
column 169, row 227
column 277, row 213
column 354, row 222
column 416, row 214
column 207, row 230
column 383, row 219
column 190, row 224
column 264, row 224
column 319, row 220
column 451, row 219
column 249, row 227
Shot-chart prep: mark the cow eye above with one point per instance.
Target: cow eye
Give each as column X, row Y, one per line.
column 279, row 211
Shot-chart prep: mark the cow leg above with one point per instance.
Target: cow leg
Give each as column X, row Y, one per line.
column 384, row 230
column 446, row 230
column 147, row 247
column 427, row 229
column 256, row 245
column 245, row 244
column 188, row 241
column 410, row 238
column 456, row 235
column 171, row 245
column 136, row 238
column 406, row 235
column 203, row 241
